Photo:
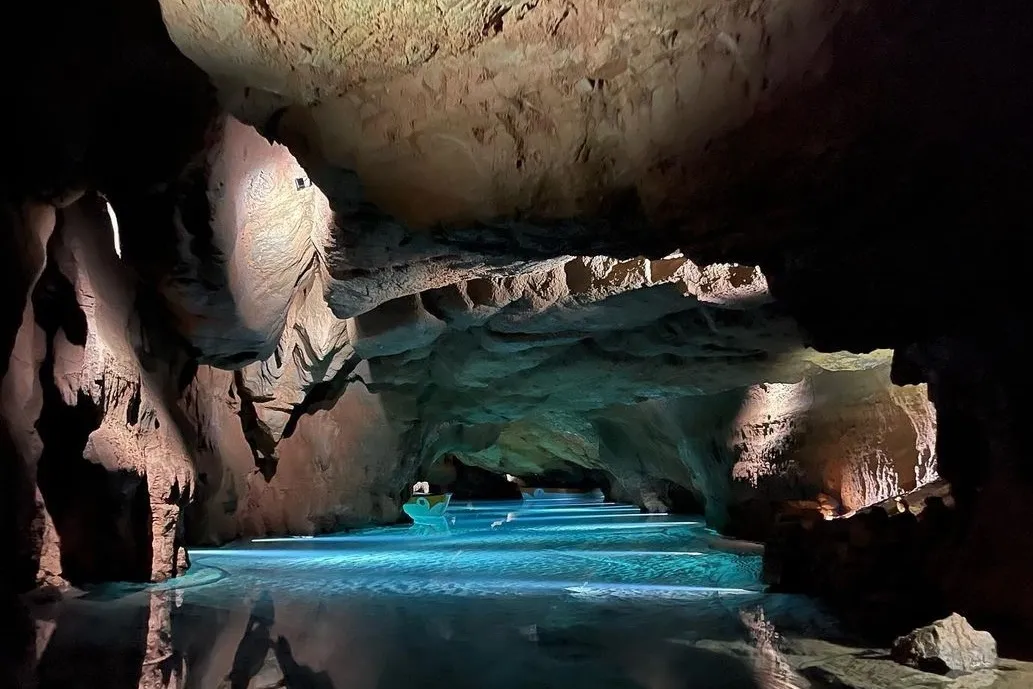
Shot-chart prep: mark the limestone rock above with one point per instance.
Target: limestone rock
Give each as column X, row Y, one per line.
column 855, row 561
column 314, row 348
column 742, row 453
column 485, row 109
column 517, row 161
column 26, row 231
column 104, row 466
column 949, row 645
column 340, row 467
column 246, row 225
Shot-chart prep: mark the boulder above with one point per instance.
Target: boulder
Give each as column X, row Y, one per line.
column 947, row 646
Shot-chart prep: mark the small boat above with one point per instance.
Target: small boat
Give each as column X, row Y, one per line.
column 530, row 494
column 428, row 509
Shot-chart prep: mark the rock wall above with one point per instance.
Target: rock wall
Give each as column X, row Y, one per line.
column 25, row 524
column 887, row 555
column 91, row 422
column 742, row 455
column 246, row 226
column 837, row 179
column 529, row 374
column 674, row 384
column 478, row 110
column 339, row 468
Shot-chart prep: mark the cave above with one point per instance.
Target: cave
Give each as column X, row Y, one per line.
column 516, row 344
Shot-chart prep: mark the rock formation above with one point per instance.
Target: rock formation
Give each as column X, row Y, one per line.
column 949, row 645
column 112, row 468
column 715, row 256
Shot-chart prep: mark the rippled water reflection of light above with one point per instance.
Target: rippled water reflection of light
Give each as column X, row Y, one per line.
column 499, row 549
column 509, row 596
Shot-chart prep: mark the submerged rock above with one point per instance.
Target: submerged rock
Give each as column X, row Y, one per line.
column 950, row 645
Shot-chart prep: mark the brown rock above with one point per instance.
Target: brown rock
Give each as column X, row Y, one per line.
column 949, row 645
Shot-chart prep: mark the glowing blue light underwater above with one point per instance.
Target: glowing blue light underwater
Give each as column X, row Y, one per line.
column 571, row 550
column 414, row 555
column 459, row 531
column 531, row 505
column 611, row 527
column 584, row 511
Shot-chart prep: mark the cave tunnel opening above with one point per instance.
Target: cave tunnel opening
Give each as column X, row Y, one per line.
column 471, row 480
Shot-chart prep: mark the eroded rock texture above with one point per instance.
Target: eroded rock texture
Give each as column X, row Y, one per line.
column 247, row 223
column 558, row 370
column 478, row 110
column 338, row 468
column 950, row 645
column 653, row 372
column 665, row 246
column 112, row 468
column 27, row 527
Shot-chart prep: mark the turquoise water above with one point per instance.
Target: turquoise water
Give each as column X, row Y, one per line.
column 494, row 549
column 498, row 596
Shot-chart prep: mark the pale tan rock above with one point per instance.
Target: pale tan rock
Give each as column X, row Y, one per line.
column 238, row 269
column 742, row 452
column 314, row 347
column 476, row 110
column 31, row 227
column 950, row 645
column 394, row 327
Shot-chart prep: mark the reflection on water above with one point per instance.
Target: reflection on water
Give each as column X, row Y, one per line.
column 508, row 596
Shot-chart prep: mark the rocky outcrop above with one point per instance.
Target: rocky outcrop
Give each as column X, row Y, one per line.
column 104, row 421
column 109, row 372
column 517, row 367
column 132, row 114
column 887, row 555
column 742, row 455
column 485, row 110
column 529, row 374
column 247, row 226
column 947, row 646
column 843, row 178
column 340, row 467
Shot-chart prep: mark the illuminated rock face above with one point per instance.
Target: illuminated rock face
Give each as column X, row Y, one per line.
column 659, row 377
column 741, row 453
column 476, row 110
column 339, row 467
column 492, row 273
column 246, row 243
column 105, row 460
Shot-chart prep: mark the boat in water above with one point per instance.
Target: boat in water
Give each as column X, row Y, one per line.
column 437, row 510
column 550, row 495
column 428, row 509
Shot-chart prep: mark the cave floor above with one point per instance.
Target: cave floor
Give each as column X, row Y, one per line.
column 506, row 597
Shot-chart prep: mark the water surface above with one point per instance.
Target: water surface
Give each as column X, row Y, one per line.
column 502, row 595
